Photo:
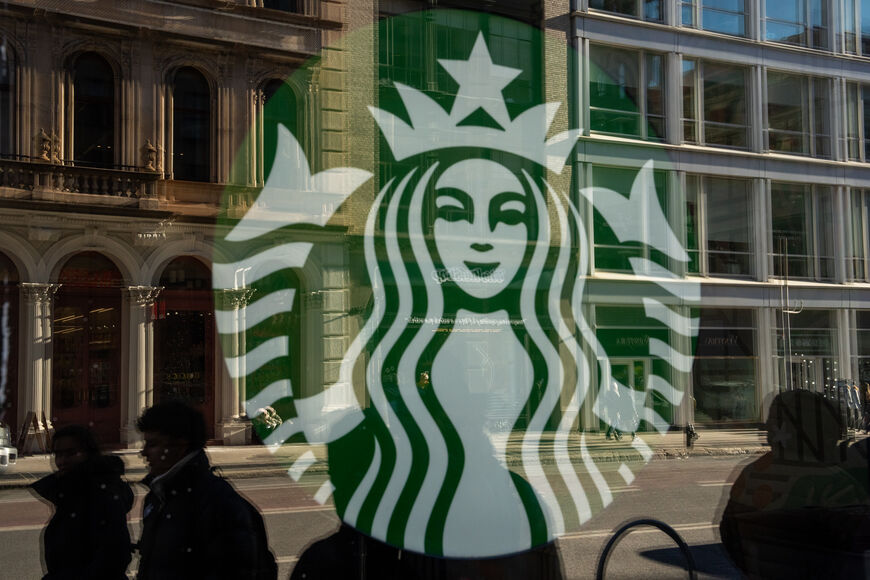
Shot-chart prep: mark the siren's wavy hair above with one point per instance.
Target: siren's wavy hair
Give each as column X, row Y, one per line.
column 418, row 457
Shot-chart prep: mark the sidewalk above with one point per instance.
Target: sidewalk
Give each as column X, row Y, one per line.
column 250, row 461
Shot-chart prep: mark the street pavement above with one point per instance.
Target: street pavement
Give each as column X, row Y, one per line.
column 245, row 461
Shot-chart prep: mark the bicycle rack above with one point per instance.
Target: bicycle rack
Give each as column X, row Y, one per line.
column 684, row 548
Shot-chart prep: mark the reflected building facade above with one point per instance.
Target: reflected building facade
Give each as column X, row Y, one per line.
column 124, row 125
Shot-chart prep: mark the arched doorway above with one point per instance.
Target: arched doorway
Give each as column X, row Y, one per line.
column 185, row 338
column 8, row 343
column 86, row 338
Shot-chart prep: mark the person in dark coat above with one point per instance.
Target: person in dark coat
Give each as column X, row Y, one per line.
column 195, row 525
column 87, row 537
column 797, row 511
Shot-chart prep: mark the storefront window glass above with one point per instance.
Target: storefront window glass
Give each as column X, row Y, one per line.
column 86, row 337
column 806, row 350
column 724, row 373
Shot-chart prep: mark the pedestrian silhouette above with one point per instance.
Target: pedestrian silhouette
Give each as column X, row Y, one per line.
column 195, row 525
column 798, row 511
column 87, row 536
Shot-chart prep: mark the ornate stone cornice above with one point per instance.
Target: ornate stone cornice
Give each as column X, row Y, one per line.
column 142, row 295
column 37, row 292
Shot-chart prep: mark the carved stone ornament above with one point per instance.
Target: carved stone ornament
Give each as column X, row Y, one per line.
column 149, row 156
column 143, row 295
column 236, row 298
column 36, row 292
column 43, row 145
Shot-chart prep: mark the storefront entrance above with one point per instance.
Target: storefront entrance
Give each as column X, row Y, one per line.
column 87, row 347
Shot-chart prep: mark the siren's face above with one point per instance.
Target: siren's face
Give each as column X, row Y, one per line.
column 481, row 225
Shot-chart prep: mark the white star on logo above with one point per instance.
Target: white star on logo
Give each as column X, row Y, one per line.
column 480, row 84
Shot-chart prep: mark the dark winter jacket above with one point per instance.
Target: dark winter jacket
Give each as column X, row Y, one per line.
column 87, row 536
column 195, row 525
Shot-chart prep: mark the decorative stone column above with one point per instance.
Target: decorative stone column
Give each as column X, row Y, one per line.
column 138, row 393
column 35, row 388
column 234, row 425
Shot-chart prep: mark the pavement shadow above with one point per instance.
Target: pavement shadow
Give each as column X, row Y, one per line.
column 710, row 559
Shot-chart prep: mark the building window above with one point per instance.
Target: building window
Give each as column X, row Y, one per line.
column 626, row 93
column 798, row 114
column 715, row 94
column 7, row 100
column 863, row 352
column 806, row 350
column 610, row 253
column 724, row 373
column 191, row 126
column 856, row 26
column 283, row 5
column 801, row 22
column 723, row 16
column 644, row 9
column 858, row 122
column 719, row 226
column 858, row 248
column 802, row 236
column 93, row 123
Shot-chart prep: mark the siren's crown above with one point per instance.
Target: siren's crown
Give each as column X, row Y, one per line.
column 480, row 85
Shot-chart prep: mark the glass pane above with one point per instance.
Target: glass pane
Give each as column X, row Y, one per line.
column 628, row 7
column 688, row 14
column 94, row 111
column 6, row 100
column 824, row 215
column 822, row 117
column 652, row 10
column 724, row 105
column 728, row 226
column 865, row 27
column 613, row 79
column 690, row 76
column 724, row 22
column 655, row 96
column 819, row 23
column 191, row 126
column 692, row 217
column 787, row 112
column 852, row 119
column 789, row 226
column 866, row 107
column 850, row 29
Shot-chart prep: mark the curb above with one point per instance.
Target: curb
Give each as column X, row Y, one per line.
column 252, row 471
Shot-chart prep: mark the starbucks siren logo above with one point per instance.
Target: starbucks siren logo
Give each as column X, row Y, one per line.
column 474, row 366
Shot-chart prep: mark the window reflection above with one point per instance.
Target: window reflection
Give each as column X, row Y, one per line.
column 93, row 133
column 191, row 126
